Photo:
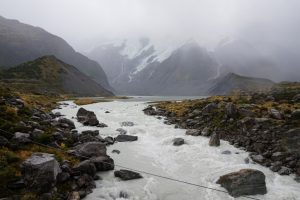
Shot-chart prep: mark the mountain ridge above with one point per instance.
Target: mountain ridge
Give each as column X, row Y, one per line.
column 49, row 75
column 21, row 42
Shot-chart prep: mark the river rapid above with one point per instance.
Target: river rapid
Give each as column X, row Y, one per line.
column 195, row 162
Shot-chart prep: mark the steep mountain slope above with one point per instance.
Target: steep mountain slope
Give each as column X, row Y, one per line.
column 141, row 68
column 21, row 42
column 49, row 75
column 232, row 82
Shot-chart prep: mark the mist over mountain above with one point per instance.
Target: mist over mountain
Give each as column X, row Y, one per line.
column 21, row 42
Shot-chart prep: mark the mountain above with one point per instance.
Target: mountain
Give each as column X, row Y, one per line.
column 241, row 57
column 21, row 43
column 50, row 75
column 143, row 68
column 231, row 82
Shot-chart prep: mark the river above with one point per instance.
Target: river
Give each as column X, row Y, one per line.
column 195, row 162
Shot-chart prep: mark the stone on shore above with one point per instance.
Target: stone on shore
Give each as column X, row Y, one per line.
column 214, row 140
column 40, row 172
column 126, row 138
column 244, row 182
column 87, row 118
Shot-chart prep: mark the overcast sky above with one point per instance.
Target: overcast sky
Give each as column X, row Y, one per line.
column 81, row 22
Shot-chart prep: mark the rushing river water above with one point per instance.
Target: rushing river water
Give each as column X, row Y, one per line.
column 194, row 162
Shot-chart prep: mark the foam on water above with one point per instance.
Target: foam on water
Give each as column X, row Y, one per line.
column 195, row 161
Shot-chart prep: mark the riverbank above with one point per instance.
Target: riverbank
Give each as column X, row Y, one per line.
column 266, row 125
column 41, row 152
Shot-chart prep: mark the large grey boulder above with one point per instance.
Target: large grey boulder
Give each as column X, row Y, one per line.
column 91, row 149
column 214, row 140
column 126, row 138
column 296, row 114
column 86, row 117
column 40, row 171
column 244, row 182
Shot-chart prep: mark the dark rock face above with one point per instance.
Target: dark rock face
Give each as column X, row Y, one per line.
column 40, row 172
column 127, row 175
column 214, row 140
column 87, row 118
column 91, row 149
column 126, row 138
column 244, row 182
column 178, row 141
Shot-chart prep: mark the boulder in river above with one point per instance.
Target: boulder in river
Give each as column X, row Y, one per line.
column 126, row 138
column 86, row 117
column 127, row 175
column 40, row 171
column 244, row 182
column 214, row 140
column 178, row 141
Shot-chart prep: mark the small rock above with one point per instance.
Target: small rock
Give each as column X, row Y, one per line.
column 74, row 196
column 205, row 132
column 69, row 122
column 178, row 141
column 90, row 132
column 244, row 182
column 126, row 138
column 116, row 151
column 296, row 98
column 107, row 112
column 109, row 140
column 21, row 138
column 103, row 163
column 258, row 158
column 121, row 131
column 193, row 132
column 296, row 114
column 127, row 175
column 285, row 171
column 102, row 125
column 227, row 152
column 3, row 141
column 247, row 160
column 123, row 195
column 275, row 114
column 85, row 167
column 214, row 140
column 127, row 123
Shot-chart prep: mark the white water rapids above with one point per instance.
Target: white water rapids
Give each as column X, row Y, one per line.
column 195, row 162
